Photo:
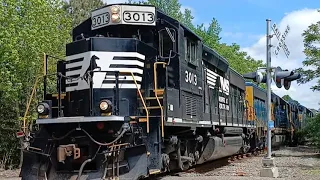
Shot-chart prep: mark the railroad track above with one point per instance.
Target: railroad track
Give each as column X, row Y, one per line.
column 209, row 166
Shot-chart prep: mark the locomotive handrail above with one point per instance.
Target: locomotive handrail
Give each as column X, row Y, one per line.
column 30, row 100
column 29, row 103
column 156, row 93
column 144, row 104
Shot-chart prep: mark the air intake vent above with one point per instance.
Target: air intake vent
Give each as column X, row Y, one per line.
column 191, row 105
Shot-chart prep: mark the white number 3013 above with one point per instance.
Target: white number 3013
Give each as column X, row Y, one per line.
column 191, row 78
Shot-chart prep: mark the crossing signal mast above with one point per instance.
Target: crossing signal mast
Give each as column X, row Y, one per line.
column 281, row 78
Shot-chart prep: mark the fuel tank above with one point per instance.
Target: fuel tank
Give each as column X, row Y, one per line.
column 217, row 148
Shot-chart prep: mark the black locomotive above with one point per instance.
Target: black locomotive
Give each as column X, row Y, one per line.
column 138, row 94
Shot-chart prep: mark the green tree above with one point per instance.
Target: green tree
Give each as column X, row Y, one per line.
column 286, row 97
column 80, row 10
column 312, row 51
column 238, row 59
column 311, row 129
column 28, row 29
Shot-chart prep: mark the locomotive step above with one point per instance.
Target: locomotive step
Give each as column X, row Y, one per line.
column 159, row 91
column 152, row 98
column 150, row 107
column 56, row 107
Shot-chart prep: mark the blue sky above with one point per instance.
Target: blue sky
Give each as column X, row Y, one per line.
column 243, row 21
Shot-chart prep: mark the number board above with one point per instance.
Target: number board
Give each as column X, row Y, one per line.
column 140, row 15
column 133, row 15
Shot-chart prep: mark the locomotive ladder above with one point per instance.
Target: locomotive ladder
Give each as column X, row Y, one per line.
column 158, row 95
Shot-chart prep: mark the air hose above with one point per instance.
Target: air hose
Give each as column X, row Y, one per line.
column 99, row 143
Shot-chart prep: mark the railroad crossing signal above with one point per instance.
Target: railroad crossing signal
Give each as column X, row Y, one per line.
column 281, row 40
column 284, row 77
column 280, row 77
column 256, row 77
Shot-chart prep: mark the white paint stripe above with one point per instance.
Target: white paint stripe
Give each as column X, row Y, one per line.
column 134, row 70
column 121, row 85
column 211, row 72
column 128, row 62
column 211, row 76
column 75, row 64
column 177, row 119
column 73, row 88
column 70, row 73
column 211, row 83
column 123, row 54
column 215, row 123
column 204, row 122
column 73, row 81
column 111, row 77
column 76, row 56
column 188, row 121
column 128, row 54
column 211, row 79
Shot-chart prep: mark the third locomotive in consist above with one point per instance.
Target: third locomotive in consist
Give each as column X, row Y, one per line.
column 138, row 94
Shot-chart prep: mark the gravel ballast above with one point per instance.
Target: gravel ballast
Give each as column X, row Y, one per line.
column 293, row 163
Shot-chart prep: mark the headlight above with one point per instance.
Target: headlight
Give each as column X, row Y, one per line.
column 115, row 9
column 43, row 108
column 104, row 105
column 40, row 108
column 115, row 18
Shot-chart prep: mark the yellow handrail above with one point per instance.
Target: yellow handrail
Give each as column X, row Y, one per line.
column 156, row 91
column 29, row 103
column 144, row 104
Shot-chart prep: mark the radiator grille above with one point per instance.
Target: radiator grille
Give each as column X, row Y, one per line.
column 191, row 105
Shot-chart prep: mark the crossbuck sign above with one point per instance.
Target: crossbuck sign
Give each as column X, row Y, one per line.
column 281, row 40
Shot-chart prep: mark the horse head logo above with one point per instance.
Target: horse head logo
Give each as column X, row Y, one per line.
column 93, row 65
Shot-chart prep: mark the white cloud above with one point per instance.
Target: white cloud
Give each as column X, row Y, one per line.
column 298, row 22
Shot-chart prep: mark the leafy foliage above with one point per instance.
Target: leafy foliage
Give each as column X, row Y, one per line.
column 312, row 51
column 311, row 130
column 28, row 28
column 79, row 10
column 286, row 97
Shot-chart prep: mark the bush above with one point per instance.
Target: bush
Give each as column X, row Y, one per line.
column 312, row 130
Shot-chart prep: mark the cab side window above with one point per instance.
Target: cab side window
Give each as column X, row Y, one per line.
column 191, row 48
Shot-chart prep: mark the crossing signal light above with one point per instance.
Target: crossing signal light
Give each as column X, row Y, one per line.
column 280, row 77
column 284, row 77
column 287, row 80
column 256, row 77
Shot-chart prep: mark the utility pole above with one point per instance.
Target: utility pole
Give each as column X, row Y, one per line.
column 281, row 77
column 268, row 165
column 268, row 71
